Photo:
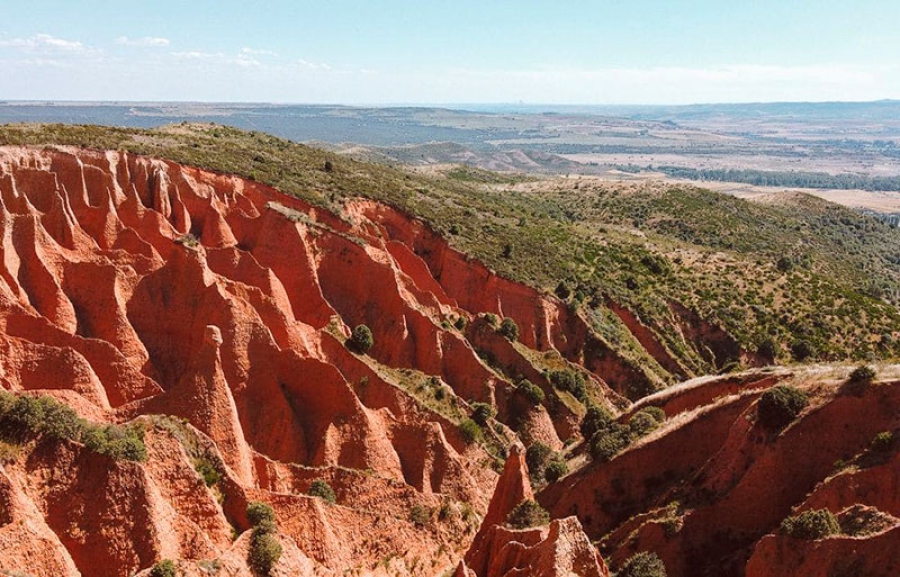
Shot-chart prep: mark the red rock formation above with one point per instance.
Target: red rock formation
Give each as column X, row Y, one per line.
column 557, row 550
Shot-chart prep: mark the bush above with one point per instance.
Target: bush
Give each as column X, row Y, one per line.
column 361, row 339
column 862, row 374
column 802, row 350
column 883, row 442
column 319, row 488
column 780, row 405
column 509, row 329
column 165, row 568
column 641, row 424
column 482, row 413
column 24, row 417
column 208, row 471
column 532, row 392
column 657, row 413
column 419, row 515
column 259, row 513
column 596, row 419
column 811, row 525
column 570, row 381
column 536, row 457
column 491, row 319
column 527, row 514
column 643, row 564
column 768, row 349
column 264, row 552
column 460, row 323
column 470, row 430
column 608, row 443
column 557, row 469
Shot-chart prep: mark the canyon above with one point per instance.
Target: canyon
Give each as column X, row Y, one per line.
column 212, row 312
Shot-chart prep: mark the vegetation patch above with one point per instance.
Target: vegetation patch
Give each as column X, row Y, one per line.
column 24, row 418
column 265, row 550
column 811, row 525
column 644, row 564
column 527, row 514
column 780, row 405
column 320, row 488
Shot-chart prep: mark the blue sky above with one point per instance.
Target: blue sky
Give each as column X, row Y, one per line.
column 356, row 52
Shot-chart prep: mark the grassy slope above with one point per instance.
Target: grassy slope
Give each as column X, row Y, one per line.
column 716, row 254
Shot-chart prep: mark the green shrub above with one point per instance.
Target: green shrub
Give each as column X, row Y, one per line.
column 116, row 441
column 802, row 350
column 658, row 414
column 259, row 513
column 491, row 319
column 361, row 339
column 527, row 514
column 460, row 323
column 470, row 431
column 883, row 442
column 644, row 564
column 532, row 392
column 509, row 329
column 641, row 424
column 557, row 469
column 780, row 405
column 570, row 381
column 320, row 488
column 768, row 349
column 264, row 552
column 811, row 525
column 536, row 457
column 164, row 568
column 419, row 515
column 862, row 374
column 482, row 413
column 208, row 471
column 24, row 417
column 608, row 443
column 596, row 419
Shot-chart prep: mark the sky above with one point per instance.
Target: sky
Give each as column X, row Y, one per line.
column 443, row 52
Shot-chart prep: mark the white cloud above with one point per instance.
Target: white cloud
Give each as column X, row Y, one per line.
column 257, row 52
column 313, row 65
column 146, row 41
column 45, row 42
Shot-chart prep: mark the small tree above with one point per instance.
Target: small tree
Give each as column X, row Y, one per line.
column 361, row 339
column 527, row 514
column 321, row 489
column 802, row 350
column 811, row 525
column 470, row 431
column 509, row 329
column 482, row 413
column 536, row 457
column 165, row 568
column 259, row 512
column 532, row 392
column 862, row 374
column 557, row 469
column 596, row 419
column 265, row 550
column 780, row 405
column 644, row 564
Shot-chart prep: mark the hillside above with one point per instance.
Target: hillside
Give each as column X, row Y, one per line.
column 372, row 373
column 718, row 259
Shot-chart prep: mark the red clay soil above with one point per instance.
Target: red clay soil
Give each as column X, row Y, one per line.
column 132, row 286
column 743, row 480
